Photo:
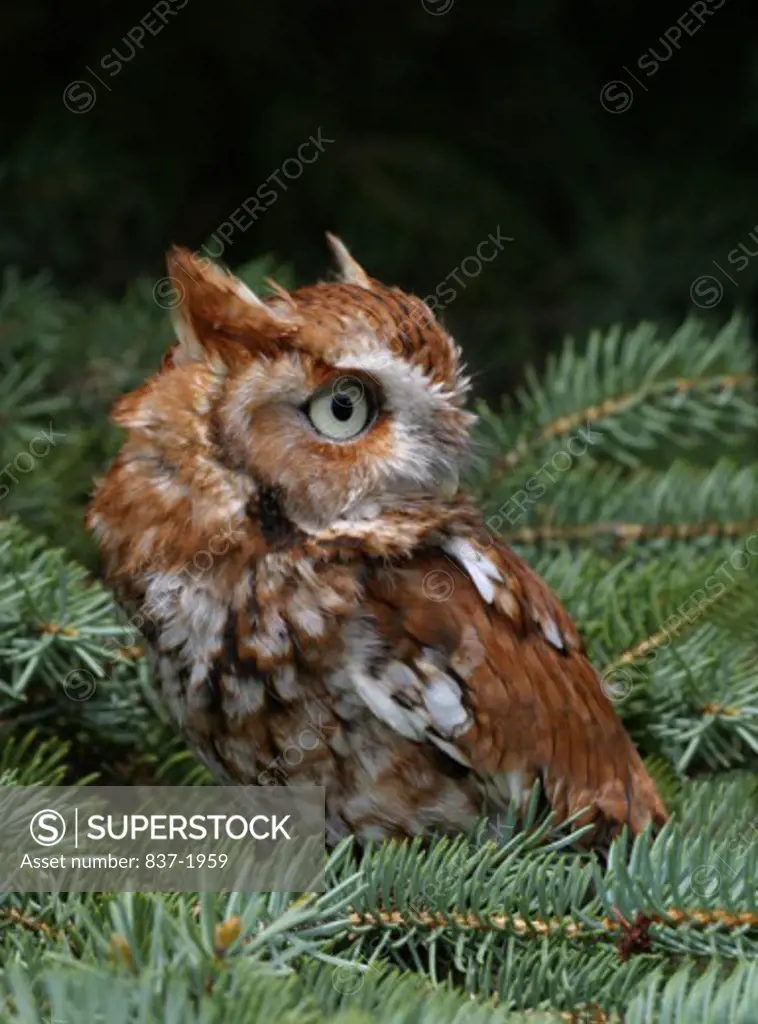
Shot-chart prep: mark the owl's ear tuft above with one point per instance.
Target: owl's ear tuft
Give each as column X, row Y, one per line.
column 214, row 311
column 350, row 270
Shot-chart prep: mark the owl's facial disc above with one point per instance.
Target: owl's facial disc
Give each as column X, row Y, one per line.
column 347, row 408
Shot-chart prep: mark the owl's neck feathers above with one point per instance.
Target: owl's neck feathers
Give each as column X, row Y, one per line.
column 156, row 527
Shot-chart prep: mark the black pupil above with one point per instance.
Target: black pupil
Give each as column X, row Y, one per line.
column 342, row 408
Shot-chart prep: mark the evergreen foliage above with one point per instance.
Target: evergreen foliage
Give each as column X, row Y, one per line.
column 647, row 527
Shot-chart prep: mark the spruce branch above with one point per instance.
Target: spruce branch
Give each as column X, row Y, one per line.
column 625, row 395
column 562, row 426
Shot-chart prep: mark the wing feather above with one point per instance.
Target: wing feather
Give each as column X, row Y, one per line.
column 503, row 680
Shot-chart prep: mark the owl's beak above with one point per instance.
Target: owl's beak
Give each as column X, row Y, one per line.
column 447, row 483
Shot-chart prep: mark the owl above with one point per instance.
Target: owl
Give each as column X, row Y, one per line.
column 324, row 603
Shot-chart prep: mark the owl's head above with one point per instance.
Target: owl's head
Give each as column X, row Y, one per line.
column 324, row 406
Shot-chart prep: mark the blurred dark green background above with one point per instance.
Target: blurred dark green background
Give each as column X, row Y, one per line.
column 447, row 122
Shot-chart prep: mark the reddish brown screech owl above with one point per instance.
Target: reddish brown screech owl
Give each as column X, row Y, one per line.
column 325, row 605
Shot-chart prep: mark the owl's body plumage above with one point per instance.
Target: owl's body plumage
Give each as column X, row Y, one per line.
column 324, row 605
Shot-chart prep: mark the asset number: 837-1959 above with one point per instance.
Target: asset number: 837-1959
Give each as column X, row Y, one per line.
column 187, row 860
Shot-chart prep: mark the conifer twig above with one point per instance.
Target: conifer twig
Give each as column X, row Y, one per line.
column 594, row 413
column 654, row 641
column 545, row 928
column 15, row 917
column 624, row 533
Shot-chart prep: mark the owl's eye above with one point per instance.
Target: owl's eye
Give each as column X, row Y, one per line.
column 342, row 410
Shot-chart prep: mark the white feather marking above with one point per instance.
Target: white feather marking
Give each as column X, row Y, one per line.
column 442, row 697
column 551, row 632
column 190, row 617
column 515, row 783
column 241, row 698
column 246, row 294
column 401, row 677
column 308, row 620
column 407, row 722
column 190, row 350
column 507, row 603
column 480, row 568
column 470, row 653
column 286, row 684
